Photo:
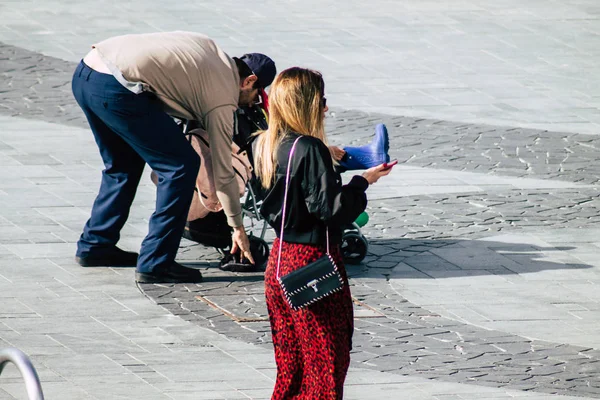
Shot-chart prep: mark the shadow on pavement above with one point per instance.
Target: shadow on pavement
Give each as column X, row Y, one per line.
column 434, row 259
column 437, row 259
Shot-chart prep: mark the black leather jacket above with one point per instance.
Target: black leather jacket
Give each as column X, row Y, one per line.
column 316, row 197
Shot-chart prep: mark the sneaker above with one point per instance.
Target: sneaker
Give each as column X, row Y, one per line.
column 108, row 258
column 174, row 273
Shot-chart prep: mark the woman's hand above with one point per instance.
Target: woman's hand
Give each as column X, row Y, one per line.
column 372, row 175
column 337, row 153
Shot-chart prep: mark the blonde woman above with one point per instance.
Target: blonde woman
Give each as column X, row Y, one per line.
column 312, row 344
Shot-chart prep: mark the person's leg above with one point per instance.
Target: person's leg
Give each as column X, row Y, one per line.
column 325, row 335
column 325, row 339
column 120, row 178
column 142, row 124
column 159, row 141
column 285, row 341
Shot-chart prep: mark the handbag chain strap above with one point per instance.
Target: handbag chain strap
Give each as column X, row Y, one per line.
column 287, row 182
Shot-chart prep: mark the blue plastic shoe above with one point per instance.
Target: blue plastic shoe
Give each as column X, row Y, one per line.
column 368, row 156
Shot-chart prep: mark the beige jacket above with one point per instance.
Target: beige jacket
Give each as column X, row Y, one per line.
column 195, row 80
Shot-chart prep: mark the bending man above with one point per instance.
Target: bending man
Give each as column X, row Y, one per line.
column 129, row 88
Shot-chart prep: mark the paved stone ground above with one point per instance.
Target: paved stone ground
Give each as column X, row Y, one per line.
column 90, row 332
column 513, row 63
column 482, row 265
column 394, row 335
column 38, row 87
column 413, row 238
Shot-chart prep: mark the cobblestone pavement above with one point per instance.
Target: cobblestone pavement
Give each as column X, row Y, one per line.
column 412, row 238
column 402, row 338
column 515, row 63
column 38, row 87
column 395, row 335
column 485, row 149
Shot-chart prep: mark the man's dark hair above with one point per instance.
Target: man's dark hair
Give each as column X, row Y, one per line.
column 244, row 71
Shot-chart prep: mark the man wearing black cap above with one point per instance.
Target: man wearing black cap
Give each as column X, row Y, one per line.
column 129, row 87
column 260, row 66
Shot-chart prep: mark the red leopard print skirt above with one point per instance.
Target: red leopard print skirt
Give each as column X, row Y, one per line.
column 312, row 345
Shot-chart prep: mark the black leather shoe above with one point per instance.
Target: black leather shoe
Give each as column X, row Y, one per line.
column 108, row 258
column 175, row 273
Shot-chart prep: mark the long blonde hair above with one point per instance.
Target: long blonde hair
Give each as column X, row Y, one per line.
column 295, row 105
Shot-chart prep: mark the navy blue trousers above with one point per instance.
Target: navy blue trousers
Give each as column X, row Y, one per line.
column 132, row 130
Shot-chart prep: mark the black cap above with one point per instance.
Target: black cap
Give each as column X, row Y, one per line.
column 262, row 66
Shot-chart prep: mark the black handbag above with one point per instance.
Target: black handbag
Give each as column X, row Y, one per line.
column 314, row 281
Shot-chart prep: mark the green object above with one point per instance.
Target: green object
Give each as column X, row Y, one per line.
column 362, row 219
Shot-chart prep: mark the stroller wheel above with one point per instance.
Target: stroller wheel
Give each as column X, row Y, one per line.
column 260, row 250
column 354, row 247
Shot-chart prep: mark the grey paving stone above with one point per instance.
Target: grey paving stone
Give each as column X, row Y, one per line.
column 422, row 240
